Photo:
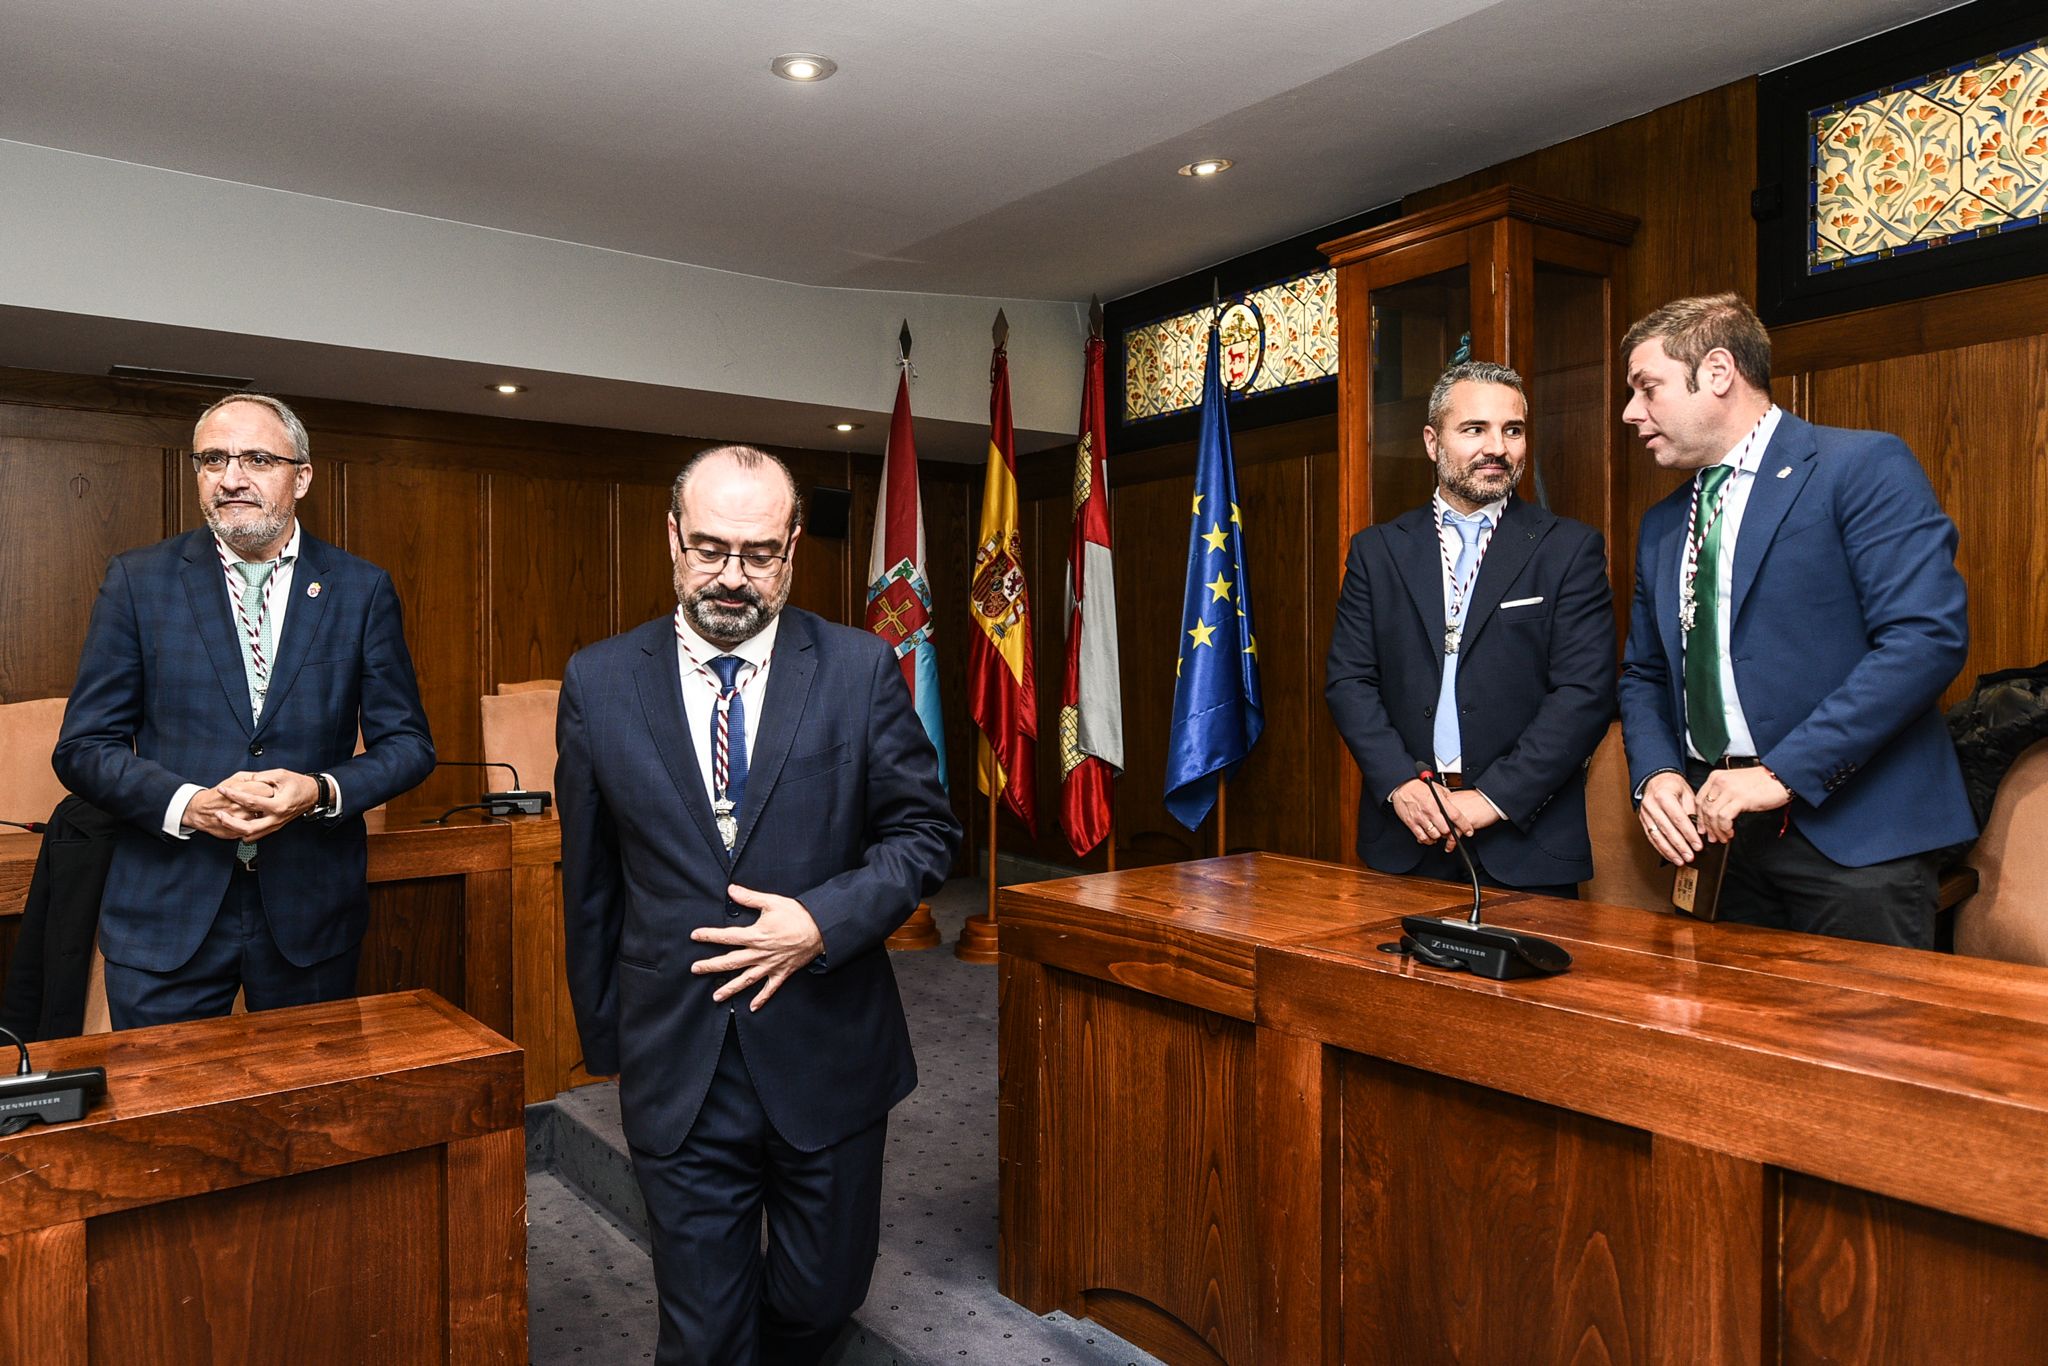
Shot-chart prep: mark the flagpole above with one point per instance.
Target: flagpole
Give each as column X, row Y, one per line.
column 1222, row 790
column 1109, row 841
column 978, row 936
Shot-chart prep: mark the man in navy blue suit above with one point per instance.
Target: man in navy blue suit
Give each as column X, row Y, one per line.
column 1797, row 614
column 749, row 808
column 1475, row 637
column 224, row 678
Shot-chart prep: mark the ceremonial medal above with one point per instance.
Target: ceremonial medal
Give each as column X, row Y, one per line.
column 728, row 824
column 1452, row 634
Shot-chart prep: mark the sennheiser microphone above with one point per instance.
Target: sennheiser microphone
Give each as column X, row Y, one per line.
column 33, row 827
column 1483, row 950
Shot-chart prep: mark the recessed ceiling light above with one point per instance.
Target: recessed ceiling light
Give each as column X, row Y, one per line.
column 803, row 66
column 1207, row 166
column 846, row 426
column 507, row 388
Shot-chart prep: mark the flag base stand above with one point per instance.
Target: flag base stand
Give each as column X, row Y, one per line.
column 977, row 943
column 918, row 932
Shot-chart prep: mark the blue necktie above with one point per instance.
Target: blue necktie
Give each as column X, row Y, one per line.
column 1449, row 748
column 727, row 667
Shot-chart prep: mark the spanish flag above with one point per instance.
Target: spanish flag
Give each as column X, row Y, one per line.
column 1001, row 695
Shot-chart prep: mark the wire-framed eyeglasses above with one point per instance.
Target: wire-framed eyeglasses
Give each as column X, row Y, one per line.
column 755, row 564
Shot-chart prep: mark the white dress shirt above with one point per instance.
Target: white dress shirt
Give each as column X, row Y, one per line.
column 1745, row 457
column 700, row 685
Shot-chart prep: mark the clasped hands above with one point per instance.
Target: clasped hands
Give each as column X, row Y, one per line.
column 1416, row 809
column 782, row 939
column 248, row 806
column 1679, row 821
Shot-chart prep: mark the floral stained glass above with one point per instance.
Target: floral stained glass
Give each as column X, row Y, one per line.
column 1956, row 155
column 1163, row 359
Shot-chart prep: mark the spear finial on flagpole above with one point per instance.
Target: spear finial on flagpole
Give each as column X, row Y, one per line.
column 903, row 340
column 1001, row 330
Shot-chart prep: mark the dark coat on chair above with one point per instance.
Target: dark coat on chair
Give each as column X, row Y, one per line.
column 162, row 699
column 843, row 811
column 1535, row 684
column 50, row 974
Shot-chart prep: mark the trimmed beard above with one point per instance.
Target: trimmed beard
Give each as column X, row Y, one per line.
column 725, row 625
column 1465, row 483
column 247, row 539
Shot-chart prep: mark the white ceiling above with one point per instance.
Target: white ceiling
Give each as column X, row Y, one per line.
column 1002, row 149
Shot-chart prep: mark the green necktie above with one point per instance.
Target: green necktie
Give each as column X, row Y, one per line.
column 254, row 577
column 1706, row 710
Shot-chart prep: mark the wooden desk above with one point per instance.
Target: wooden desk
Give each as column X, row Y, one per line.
column 1233, row 1130
column 339, row 1183
column 469, row 910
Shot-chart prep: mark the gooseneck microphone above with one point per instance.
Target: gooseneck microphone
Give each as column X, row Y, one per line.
column 515, row 801
column 33, row 827
column 1467, row 945
column 1428, row 776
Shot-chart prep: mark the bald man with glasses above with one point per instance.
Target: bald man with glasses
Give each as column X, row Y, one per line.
column 225, row 676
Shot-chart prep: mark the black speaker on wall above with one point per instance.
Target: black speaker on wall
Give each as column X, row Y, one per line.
column 828, row 511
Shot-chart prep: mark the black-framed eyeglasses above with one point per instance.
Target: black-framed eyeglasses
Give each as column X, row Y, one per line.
column 755, row 564
column 253, row 462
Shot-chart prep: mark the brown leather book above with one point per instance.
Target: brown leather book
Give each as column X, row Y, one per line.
column 1697, row 889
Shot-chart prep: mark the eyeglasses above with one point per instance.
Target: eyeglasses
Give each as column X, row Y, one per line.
column 253, row 462
column 755, row 564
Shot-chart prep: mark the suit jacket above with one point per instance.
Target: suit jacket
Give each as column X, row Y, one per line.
column 162, row 700
column 1847, row 620
column 1535, row 684
column 843, row 811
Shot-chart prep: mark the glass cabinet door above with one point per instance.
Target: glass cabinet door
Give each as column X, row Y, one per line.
column 1419, row 327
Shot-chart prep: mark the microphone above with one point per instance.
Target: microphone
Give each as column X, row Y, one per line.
column 1428, row 776
column 33, row 827
column 52, row 1097
column 1482, row 950
column 515, row 801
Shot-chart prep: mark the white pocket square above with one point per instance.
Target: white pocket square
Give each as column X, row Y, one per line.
column 1520, row 602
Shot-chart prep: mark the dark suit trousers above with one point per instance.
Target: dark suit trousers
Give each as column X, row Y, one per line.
column 237, row 952
column 1776, row 878
column 723, row 1303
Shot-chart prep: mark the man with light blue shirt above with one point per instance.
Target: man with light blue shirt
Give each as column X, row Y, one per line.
column 225, row 677
column 1797, row 614
column 1475, row 639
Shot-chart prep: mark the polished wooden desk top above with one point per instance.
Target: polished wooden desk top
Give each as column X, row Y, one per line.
column 1918, row 1075
column 219, row 1103
column 400, row 847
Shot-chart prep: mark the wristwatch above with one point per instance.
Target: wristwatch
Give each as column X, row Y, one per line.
column 328, row 801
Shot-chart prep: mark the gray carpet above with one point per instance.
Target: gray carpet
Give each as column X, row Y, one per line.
column 933, row 1299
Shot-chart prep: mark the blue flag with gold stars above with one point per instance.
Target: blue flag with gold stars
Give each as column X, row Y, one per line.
column 1217, row 708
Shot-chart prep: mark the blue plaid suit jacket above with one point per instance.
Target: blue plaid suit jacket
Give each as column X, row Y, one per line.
column 162, row 700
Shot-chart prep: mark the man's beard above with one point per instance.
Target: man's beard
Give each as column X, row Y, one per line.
column 724, row 625
column 249, row 537
column 1466, row 483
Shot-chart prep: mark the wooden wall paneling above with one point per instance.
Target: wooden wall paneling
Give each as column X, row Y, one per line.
column 1331, row 804
column 550, row 573
column 66, row 508
column 423, row 526
column 1977, row 418
column 173, row 1282
column 43, row 1295
column 1267, row 809
column 824, row 566
column 643, row 575
column 1546, row 1213
column 1873, row 1279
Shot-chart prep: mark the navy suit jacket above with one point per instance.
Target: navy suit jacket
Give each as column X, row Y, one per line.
column 162, row 699
column 1535, row 684
column 843, row 811
column 1848, row 618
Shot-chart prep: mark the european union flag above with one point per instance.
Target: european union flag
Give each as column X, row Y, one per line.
column 1217, row 709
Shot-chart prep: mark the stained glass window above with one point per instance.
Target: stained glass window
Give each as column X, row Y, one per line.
column 1163, row 359
column 1956, row 155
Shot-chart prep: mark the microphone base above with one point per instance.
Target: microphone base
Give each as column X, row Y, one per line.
column 1485, row 951
column 53, row 1097
column 518, row 802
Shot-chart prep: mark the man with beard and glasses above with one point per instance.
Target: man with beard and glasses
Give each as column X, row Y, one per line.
column 749, row 808
column 1475, row 638
column 224, row 677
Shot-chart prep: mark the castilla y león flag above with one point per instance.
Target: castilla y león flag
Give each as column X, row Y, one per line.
column 1091, row 696
column 1001, row 696
column 899, row 598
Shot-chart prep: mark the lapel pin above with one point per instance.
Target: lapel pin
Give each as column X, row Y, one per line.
column 313, row 589
column 1785, row 473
